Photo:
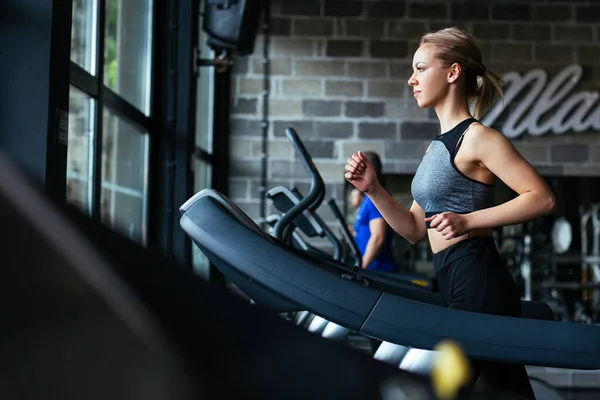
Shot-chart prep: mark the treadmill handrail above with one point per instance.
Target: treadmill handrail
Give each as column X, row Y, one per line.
column 283, row 227
column 229, row 206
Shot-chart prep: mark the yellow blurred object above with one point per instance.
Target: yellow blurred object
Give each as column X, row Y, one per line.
column 420, row 282
column 450, row 371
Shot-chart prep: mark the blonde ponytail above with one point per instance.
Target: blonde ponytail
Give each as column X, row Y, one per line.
column 489, row 89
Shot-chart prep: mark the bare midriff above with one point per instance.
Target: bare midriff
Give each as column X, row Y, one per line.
column 438, row 242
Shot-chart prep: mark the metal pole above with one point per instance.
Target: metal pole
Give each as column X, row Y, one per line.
column 266, row 19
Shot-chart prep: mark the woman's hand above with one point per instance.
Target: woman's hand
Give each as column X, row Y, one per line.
column 449, row 224
column 361, row 173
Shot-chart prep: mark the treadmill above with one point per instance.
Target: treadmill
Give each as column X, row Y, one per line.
column 277, row 275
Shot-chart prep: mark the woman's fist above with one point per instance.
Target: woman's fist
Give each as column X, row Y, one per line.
column 449, row 224
column 361, row 173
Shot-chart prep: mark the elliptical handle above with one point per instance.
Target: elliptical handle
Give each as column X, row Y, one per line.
column 305, row 157
column 313, row 198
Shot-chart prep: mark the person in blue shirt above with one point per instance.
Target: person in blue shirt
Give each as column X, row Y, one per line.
column 372, row 234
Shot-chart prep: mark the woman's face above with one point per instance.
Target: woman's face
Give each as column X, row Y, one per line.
column 429, row 79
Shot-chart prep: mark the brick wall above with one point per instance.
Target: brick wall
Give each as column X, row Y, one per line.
column 339, row 76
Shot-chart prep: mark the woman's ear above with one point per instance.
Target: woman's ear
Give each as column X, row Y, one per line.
column 454, row 72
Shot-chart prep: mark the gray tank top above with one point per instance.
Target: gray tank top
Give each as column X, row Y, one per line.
column 439, row 186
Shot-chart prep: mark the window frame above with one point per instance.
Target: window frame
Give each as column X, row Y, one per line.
column 93, row 85
column 206, row 150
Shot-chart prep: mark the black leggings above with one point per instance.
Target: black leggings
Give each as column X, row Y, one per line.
column 472, row 276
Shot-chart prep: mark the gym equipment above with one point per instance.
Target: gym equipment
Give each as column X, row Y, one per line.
column 297, row 240
column 89, row 314
column 265, row 268
column 586, row 308
column 309, row 223
column 590, row 264
column 391, row 353
column 526, row 267
column 298, row 213
column 348, row 238
column 266, row 297
column 232, row 24
column 543, row 391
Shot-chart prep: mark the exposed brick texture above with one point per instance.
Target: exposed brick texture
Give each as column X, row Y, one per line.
column 344, row 48
column 385, row 9
column 321, row 108
column 470, row 11
column 364, row 109
column 343, row 8
column 300, row 7
column 429, row 10
column 573, row 153
column 584, row 13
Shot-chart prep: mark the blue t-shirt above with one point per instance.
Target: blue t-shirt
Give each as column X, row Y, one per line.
column 366, row 213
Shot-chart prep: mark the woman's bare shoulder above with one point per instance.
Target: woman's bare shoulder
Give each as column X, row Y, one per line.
column 479, row 135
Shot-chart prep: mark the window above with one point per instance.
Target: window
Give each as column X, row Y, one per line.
column 79, row 150
column 83, row 34
column 124, row 177
column 127, row 54
column 109, row 127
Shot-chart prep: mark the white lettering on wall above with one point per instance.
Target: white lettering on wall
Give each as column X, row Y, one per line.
column 546, row 106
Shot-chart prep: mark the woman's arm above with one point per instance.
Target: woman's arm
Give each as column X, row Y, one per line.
column 410, row 224
column 497, row 154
